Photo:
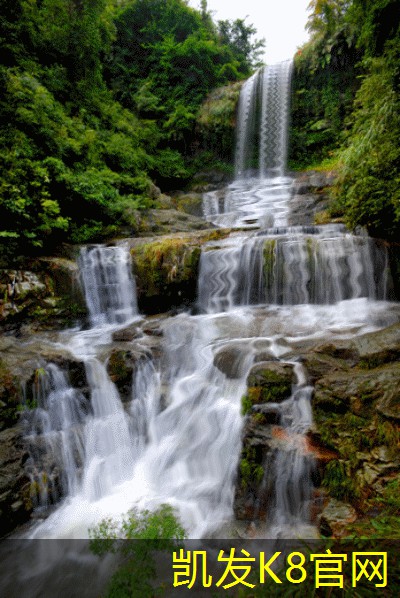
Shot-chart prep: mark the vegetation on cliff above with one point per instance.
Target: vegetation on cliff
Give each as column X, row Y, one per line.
column 346, row 108
column 99, row 98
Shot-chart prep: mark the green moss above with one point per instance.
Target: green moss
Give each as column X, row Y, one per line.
column 169, row 260
column 118, row 367
column 251, row 471
column 272, row 387
column 254, row 396
column 269, row 258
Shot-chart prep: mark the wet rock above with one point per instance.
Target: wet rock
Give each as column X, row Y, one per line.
column 15, row 505
column 273, row 381
column 121, row 366
column 319, row 365
column 336, row 391
column 336, row 517
column 127, row 334
column 166, row 270
column 229, row 361
column 191, row 203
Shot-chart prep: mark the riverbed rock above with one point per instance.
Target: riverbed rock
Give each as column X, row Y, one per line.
column 122, row 364
column 229, row 360
column 335, row 391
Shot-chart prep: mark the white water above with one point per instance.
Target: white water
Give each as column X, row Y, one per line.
column 108, row 284
column 178, row 440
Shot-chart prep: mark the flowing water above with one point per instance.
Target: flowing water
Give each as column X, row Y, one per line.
column 178, row 439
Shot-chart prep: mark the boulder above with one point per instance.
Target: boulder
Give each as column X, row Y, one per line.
column 337, row 391
column 46, row 292
column 273, row 381
column 166, row 269
column 336, row 517
column 122, row 363
column 229, row 361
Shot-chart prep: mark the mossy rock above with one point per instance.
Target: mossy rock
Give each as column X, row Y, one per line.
column 268, row 382
column 46, row 292
column 121, row 367
column 166, row 270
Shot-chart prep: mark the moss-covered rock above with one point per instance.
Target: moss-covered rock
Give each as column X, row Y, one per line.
column 10, row 396
column 356, row 412
column 268, row 382
column 216, row 121
column 166, row 270
column 122, row 363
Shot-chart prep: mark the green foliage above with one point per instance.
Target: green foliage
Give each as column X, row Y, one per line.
column 98, row 98
column 148, row 532
column 338, row 481
column 346, row 103
column 251, row 471
column 368, row 189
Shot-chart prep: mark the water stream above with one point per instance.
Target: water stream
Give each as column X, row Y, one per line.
column 178, row 439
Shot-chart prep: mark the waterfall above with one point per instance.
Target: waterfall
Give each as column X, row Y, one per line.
column 109, row 287
column 261, row 294
column 262, row 122
column 292, row 267
column 259, row 195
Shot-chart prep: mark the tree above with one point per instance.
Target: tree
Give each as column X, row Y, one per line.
column 238, row 37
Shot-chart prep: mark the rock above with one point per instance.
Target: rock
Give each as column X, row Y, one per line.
column 336, row 391
column 15, row 504
column 229, row 361
column 127, row 334
column 273, row 379
column 336, row 517
column 121, row 366
column 319, row 365
column 46, row 292
column 167, row 221
column 191, row 203
column 166, row 270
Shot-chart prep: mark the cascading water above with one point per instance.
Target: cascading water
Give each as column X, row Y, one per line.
column 259, row 195
column 108, row 284
column 178, row 439
column 262, row 116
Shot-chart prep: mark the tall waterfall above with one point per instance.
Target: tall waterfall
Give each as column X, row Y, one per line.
column 262, row 122
column 259, row 195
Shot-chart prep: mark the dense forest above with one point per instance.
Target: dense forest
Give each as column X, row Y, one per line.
column 101, row 100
